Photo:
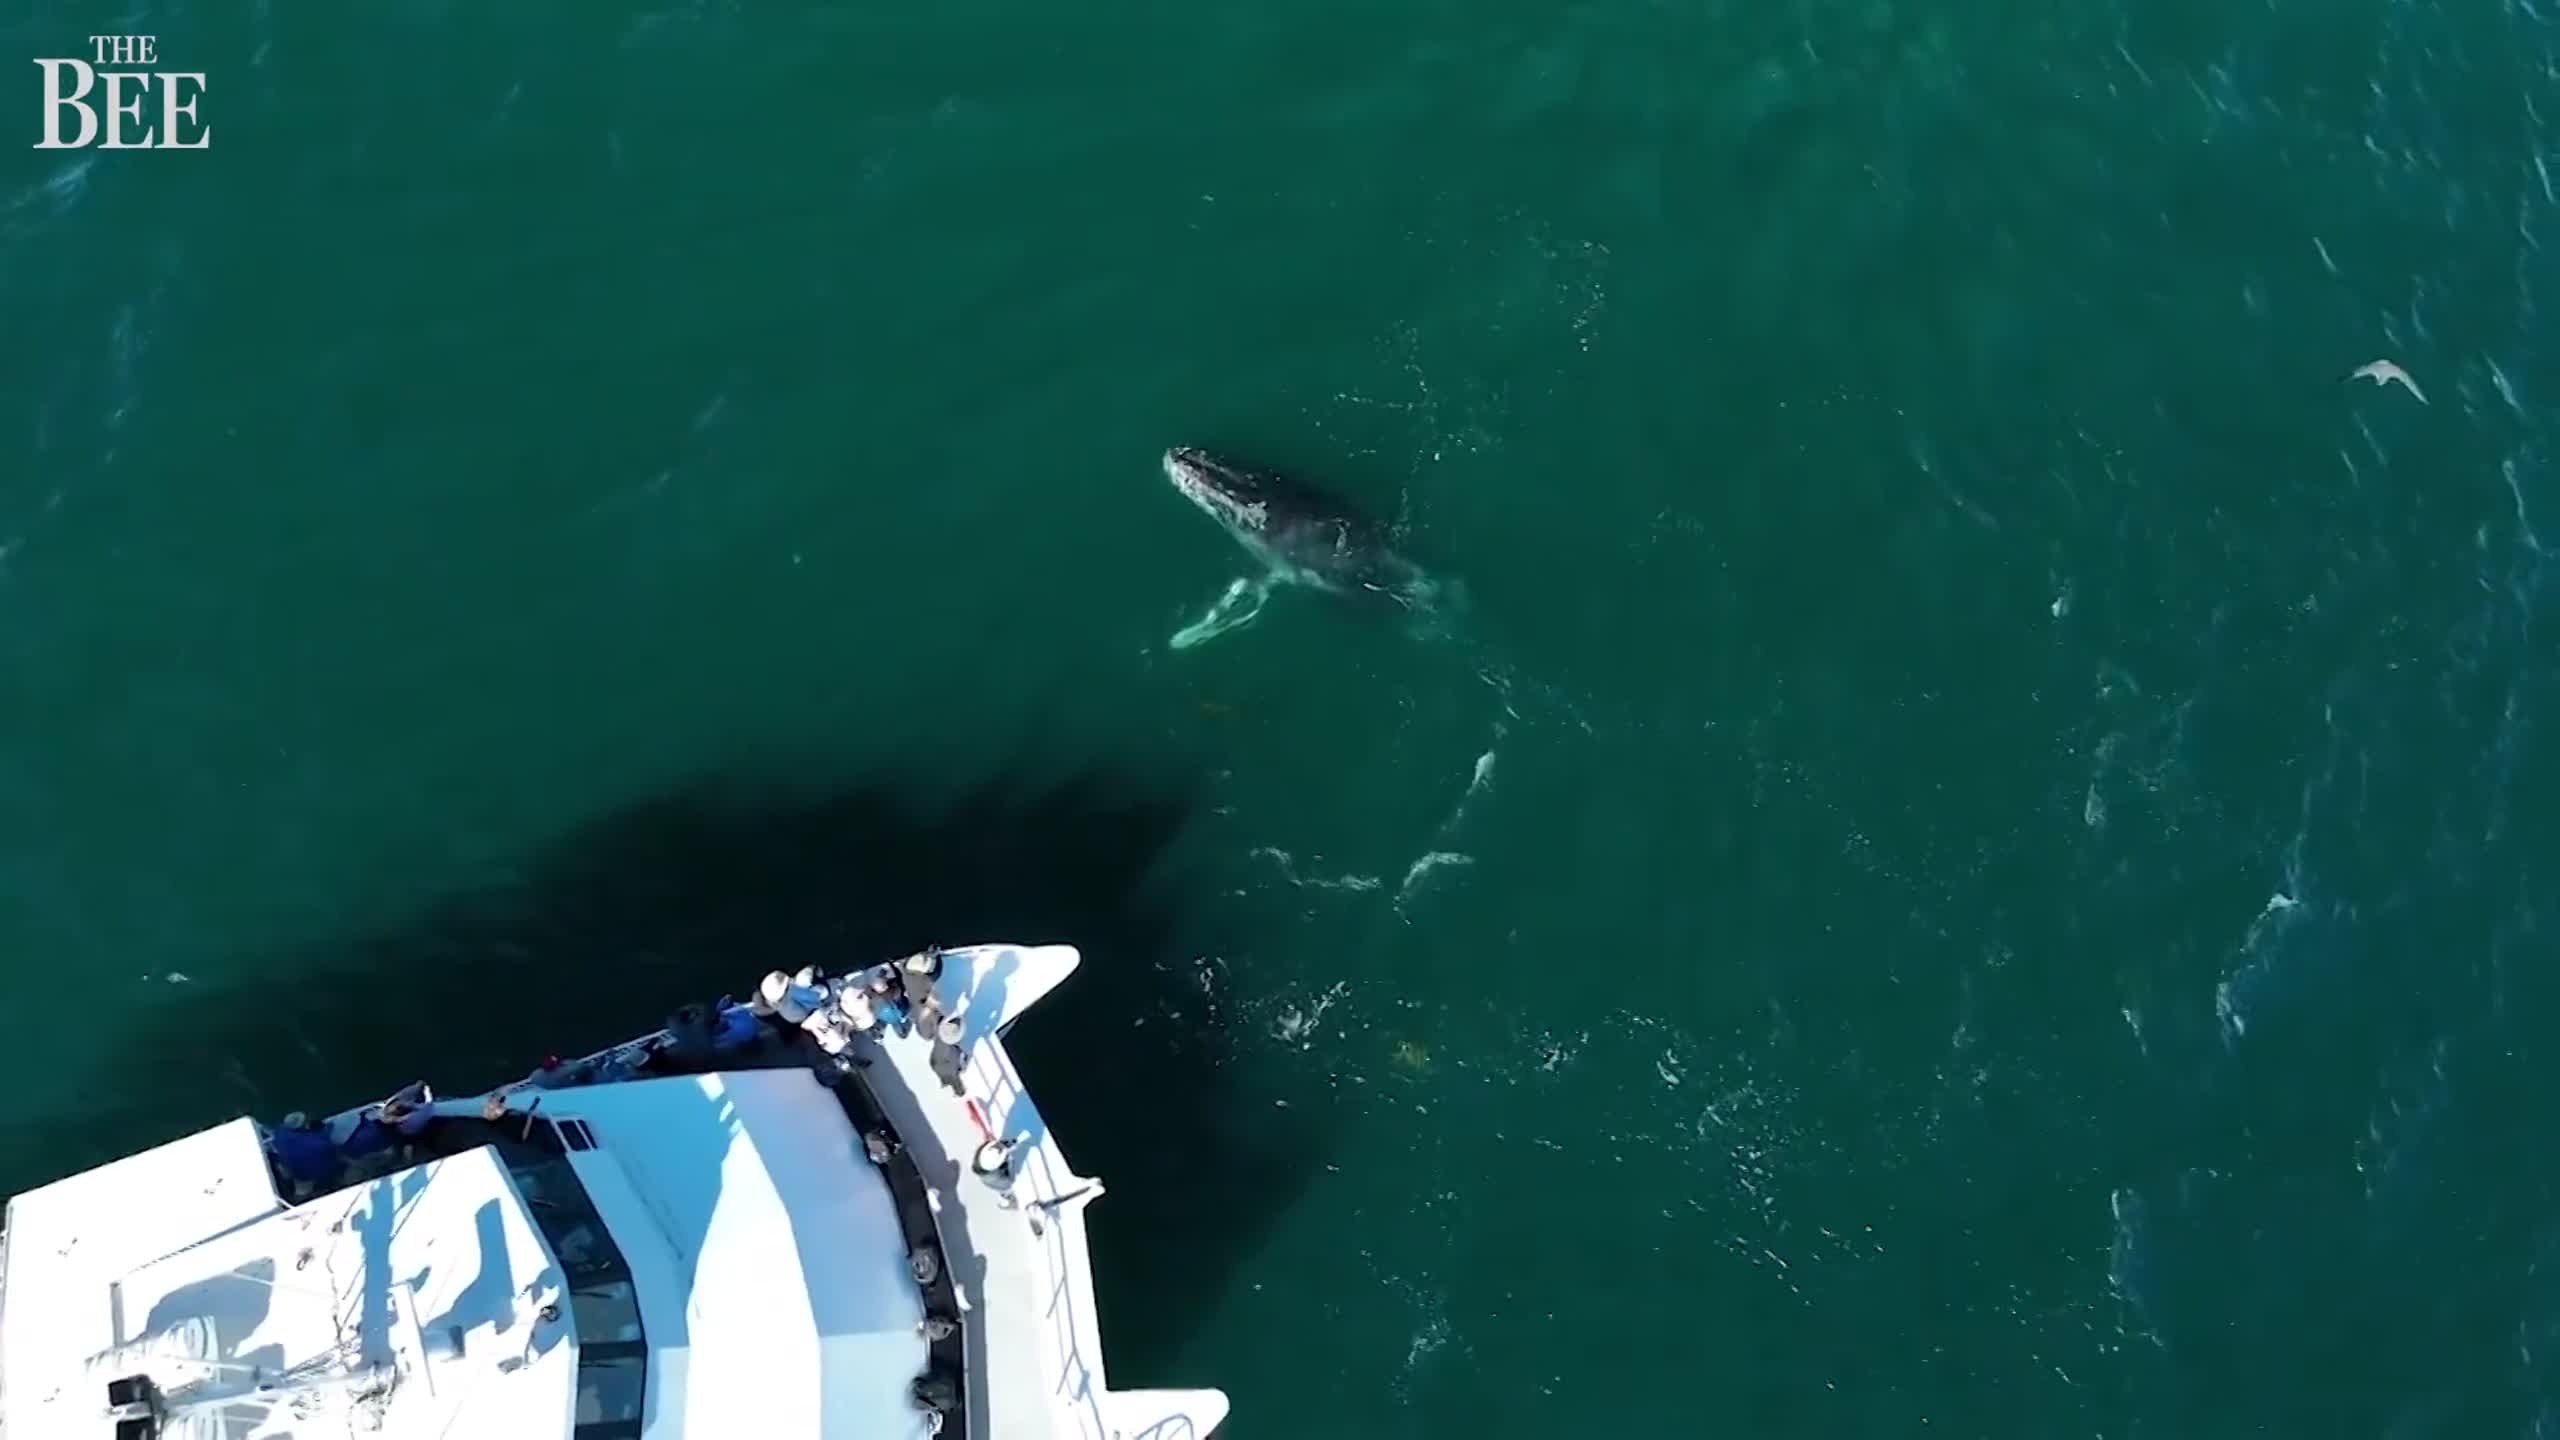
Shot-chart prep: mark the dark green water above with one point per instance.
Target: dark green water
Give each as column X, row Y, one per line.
column 1995, row 821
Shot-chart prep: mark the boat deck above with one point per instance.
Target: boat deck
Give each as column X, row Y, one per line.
column 1004, row 1260
column 1018, row 1257
column 1018, row 1275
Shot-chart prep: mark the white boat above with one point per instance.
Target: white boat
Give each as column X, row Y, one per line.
column 810, row 1235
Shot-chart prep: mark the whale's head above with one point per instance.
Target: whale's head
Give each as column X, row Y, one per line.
column 1233, row 495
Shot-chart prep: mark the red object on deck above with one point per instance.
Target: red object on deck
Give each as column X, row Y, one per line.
column 978, row 1118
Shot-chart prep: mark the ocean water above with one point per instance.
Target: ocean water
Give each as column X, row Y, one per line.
column 1976, row 860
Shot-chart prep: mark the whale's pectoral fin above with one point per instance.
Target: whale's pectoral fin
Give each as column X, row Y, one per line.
column 1235, row 610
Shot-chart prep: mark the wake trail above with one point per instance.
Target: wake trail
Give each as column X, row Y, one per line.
column 1437, row 855
column 1439, row 852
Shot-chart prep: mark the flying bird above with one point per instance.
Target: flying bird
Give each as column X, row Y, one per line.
column 2384, row 372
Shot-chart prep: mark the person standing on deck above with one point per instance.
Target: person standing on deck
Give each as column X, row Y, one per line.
column 552, row 1074
column 689, row 1048
column 887, row 1000
column 790, row 1002
column 860, row 1011
column 946, row 1060
column 916, row 975
column 305, row 1153
column 994, row 1164
column 410, row 1113
column 736, row 1029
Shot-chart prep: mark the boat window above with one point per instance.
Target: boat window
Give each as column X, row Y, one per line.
column 610, row 1387
column 561, row 1211
column 579, row 1242
column 606, row 1311
column 613, row 1353
column 548, row 1182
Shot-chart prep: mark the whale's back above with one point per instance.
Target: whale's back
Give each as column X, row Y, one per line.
column 1318, row 536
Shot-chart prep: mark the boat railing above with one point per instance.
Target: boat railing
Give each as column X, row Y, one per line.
column 591, row 1066
column 1044, row 1183
column 4, row 1289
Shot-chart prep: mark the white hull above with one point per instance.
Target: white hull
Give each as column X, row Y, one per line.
column 706, row 1253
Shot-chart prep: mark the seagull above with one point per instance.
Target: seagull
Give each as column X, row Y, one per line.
column 2384, row 372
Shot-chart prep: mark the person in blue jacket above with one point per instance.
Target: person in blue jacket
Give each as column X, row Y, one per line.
column 305, row 1153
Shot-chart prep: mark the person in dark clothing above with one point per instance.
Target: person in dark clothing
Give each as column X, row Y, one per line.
column 688, row 1049
column 735, row 1030
column 369, row 1139
column 305, row 1154
column 994, row 1164
column 889, row 1000
column 410, row 1113
column 946, row 1060
column 410, row 1110
column 920, row 970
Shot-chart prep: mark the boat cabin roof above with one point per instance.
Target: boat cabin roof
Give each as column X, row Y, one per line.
column 657, row 1256
column 693, row 1255
column 771, row 1268
column 424, row 1303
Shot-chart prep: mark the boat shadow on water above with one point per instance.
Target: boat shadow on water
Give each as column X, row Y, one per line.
column 697, row 892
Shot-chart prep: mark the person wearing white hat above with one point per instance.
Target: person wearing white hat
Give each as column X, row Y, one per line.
column 916, row 976
column 855, row 1005
column 793, row 1002
column 994, row 1164
column 946, row 1060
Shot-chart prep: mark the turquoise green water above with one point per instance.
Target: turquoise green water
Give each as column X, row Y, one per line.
column 1977, row 861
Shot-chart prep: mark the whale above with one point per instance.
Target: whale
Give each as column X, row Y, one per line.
column 1299, row 533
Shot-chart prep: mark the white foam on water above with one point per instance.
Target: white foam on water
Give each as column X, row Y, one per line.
column 2505, row 387
column 1667, row 1065
column 1289, row 870
column 1479, row 780
column 2226, row 1013
column 1297, row 1023
column 1439, row 856
column 2401, row 1122
column 2128, row 1253
column 60, row 190
column 2232, row 996
column 1435, row 860
column 1432, row 1332
column 1554, row 1054
column 2524, row 523
column 2261, row 950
